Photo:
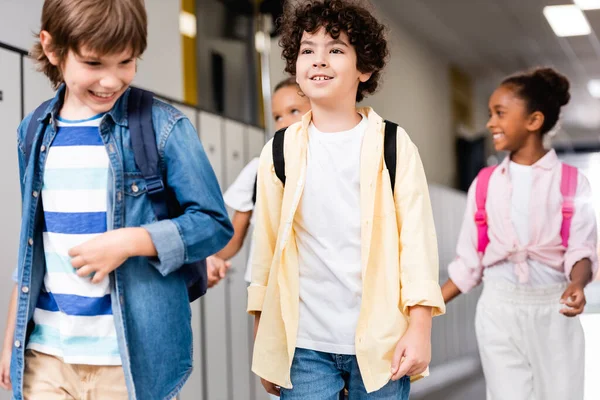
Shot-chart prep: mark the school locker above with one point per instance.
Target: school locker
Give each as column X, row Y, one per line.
column 216, row 351
column 194, row 388
column 235, row 161
column 37, row 86
column 10, row 212
column 256, row 142
column 211, row 138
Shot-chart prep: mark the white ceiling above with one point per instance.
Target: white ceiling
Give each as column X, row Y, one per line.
column 491, row 38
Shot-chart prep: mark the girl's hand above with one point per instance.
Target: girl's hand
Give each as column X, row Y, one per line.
column 574, row 299
column 5, row 369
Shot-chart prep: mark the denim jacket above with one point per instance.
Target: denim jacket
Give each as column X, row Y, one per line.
column 149, row 296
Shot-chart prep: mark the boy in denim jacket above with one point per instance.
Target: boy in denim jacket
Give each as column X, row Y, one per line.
column 100, row 308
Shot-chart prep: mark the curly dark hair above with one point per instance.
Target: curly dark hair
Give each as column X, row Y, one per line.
column 364, row 32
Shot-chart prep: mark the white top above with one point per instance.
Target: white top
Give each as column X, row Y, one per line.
column 327, row 225
column 521, row 177
column 239, row 197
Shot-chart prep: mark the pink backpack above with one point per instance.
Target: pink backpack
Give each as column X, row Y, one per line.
column 568, row 187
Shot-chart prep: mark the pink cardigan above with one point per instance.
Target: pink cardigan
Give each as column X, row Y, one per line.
column 545, row 244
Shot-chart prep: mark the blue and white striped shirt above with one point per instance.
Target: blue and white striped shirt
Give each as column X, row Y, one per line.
column 73, row 317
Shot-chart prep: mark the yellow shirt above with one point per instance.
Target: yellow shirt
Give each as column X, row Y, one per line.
column 398, row 254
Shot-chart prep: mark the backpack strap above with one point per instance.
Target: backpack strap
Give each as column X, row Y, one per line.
column 32, row 128
column 145, row 152
column 143, row 142
column 568, row 188
column 389, row 153
column 389, row 150
column 278, row 155
column 481, row 190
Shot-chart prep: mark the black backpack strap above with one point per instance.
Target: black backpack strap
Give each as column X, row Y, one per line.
column 143, row 142
column 145, row 152
column 33, row 127
column 389, row 150
column 255, row 189
column 278, row 155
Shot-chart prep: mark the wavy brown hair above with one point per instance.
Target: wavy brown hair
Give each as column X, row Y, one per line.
column 101, row 26
column 364, row 32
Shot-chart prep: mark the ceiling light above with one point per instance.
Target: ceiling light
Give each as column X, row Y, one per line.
column 187, row 24
column 588, row 4
column 567, row 20
column 594, row 88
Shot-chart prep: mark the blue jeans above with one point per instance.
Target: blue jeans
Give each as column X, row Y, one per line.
column 322, row 376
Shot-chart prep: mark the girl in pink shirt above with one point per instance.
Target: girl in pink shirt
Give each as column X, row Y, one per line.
column 530, row 339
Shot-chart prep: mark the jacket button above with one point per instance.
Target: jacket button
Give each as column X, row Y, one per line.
column 25, row 289
column 35, row 193
column 135, row 188
column 30, row 241
column 43, row 148
column 111, row 148
column 119, row 196
column 17, row 343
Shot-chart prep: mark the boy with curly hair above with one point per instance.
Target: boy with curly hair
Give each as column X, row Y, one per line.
column 345, row 269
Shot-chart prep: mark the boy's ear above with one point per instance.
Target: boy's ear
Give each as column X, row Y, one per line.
column 365, row 76
column 535, row 121
column 46, row 42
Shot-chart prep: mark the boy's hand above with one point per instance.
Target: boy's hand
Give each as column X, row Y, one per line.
column 574, row 299
column 413, row 351
column 102, row 254
column 271, row 388
column 217, row 269
column 5, row 369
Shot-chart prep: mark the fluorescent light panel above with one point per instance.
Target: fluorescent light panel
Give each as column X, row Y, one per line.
column 588, row 4
column 594, row 88
column 187, row 24
column 567, row 20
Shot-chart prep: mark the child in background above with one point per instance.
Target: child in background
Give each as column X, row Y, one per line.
column 533, row 243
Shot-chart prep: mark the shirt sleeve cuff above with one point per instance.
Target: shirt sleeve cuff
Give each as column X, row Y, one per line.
column 572, row 256
column 423, row 293
column 464, row 278
column 169, row 246
column 256, row 298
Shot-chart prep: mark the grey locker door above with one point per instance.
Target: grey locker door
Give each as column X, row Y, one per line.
column 10, row 209
column 216, row 328
column 194, row 388
column 211, row 137
column 235, row 135
column 256, row 142
column 37, row 86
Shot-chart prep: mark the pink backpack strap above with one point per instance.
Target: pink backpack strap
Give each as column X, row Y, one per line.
column 483, row 181
column 568, row 188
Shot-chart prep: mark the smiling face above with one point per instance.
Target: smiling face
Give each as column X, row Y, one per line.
column 509, row 122
column 326, row 68
column 94, row 82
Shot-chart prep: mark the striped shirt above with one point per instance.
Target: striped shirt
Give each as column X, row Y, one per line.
column 73, row 317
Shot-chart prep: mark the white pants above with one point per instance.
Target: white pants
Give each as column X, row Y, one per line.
column 529, row 351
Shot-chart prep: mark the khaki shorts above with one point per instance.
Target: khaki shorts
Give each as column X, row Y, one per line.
column 47, row 377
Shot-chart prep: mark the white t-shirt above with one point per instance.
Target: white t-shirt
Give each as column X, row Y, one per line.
column 521, row 177
column 327, row 227
column 239, row 197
